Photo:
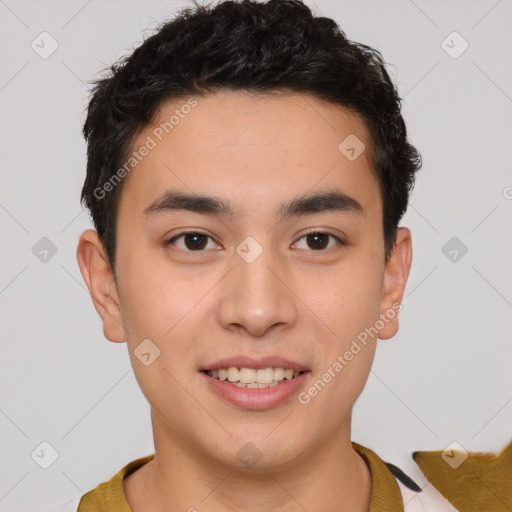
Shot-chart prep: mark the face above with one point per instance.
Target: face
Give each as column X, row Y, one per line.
column 257, row 271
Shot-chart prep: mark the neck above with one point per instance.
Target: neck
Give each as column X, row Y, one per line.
column 330, row 477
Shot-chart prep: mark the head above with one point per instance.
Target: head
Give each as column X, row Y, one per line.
column 267, row 125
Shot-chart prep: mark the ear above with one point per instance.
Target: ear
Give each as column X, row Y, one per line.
column 396, row 273
column 100, row 281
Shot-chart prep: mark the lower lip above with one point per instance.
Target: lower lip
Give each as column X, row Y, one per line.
column 256, row 398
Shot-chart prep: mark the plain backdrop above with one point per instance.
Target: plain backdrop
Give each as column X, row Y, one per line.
column 445, row 377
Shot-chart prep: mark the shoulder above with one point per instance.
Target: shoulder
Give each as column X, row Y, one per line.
column 469, row 480
column 108, row 495
column 423, row 499
column 454, row 479
column 449, row 480
column 417, row 493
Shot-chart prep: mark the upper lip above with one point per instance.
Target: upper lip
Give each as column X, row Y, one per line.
column 256, row 363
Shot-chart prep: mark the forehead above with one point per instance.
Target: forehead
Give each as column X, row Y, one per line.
column 240, row 145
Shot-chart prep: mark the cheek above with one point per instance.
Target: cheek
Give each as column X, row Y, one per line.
column 165, row 307
column 160, row 310
column 151, row 298
column 348, row 303
column 347, row 298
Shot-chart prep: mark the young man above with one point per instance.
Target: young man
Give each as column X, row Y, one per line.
column 247, row 170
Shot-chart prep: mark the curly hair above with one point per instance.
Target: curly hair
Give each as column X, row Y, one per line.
column 260, row 48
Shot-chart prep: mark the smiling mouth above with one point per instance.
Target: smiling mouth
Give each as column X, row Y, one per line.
column 253, row 378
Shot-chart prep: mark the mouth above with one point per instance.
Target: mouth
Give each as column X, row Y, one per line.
column 255, row 383
column 255, row 388
column 254, row 378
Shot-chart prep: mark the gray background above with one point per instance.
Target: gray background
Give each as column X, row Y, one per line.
column 446, row 375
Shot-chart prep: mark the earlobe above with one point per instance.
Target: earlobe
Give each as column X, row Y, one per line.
column 396, row 273
column 99, row 279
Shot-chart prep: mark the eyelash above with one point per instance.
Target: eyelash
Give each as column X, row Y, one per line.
column 313, row 232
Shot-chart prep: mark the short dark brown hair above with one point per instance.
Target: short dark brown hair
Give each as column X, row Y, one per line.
column 259, row 47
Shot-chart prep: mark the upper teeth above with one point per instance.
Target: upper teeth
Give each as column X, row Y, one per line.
column 251, row 376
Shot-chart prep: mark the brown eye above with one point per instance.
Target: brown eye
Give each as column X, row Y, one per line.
column 319, row 241
column 193, row 241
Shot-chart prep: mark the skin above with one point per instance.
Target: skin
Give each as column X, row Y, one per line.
column 294, row 300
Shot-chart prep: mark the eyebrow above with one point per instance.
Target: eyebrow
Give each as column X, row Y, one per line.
column 326, row 201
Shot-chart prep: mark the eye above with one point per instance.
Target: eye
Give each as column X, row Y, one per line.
column 319, row 241
column 194, row 241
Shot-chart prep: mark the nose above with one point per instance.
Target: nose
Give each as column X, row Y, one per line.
column 258, row 296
